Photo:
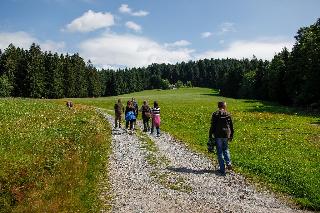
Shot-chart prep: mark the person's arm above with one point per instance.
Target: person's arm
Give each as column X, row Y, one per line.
column 231, row 128
column 212, row 127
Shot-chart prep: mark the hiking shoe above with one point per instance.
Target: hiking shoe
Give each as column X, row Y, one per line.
column 229, row 167
column 220, row 173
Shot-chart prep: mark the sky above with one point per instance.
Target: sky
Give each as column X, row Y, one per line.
column 137, row 33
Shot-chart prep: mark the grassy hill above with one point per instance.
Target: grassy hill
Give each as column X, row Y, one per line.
column 51, row 157
column 274, row 145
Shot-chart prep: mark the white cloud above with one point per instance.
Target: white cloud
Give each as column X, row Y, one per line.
column 227, row 27
column 19, row 39
column 181, row 43
column 261, row 48
column 24, row 40
column 130, row 51
column 206, row 34
column 140, row 13
column 224, row 28
column 52, row 46
column 91, row 21
column 133, row 26
column 124, row 8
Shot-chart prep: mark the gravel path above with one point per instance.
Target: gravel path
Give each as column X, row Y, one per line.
column 158, row 174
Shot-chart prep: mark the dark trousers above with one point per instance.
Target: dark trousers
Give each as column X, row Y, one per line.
column 131, row 122
column 146, row 126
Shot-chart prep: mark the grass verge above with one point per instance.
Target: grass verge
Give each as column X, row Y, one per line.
column 276, row 145
column 52, row 158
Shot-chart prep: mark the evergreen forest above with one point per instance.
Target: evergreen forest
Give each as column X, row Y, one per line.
column 291, row 78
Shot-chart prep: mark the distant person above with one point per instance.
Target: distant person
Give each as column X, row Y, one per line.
column 155, row 118
column 130, row 116
column 118, row 110
column 136, row 108
column 146, row 114
column 221, row 131
column 69, row 104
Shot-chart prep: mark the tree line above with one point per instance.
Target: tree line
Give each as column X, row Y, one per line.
column 290, row 78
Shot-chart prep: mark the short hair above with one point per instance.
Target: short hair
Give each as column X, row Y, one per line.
column 155, row 104
column 221, row 104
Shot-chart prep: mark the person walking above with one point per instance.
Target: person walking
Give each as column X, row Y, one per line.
column 155, row 118
column 118, row 110
column 130, row 116
column 136, row 109
column 146, row 114
column 221, row 131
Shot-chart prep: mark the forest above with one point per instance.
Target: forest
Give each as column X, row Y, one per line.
column 290, row 78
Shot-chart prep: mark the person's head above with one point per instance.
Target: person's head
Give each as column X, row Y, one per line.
column 129, row 103
column 145, row 103
column 119, row 100
column 222, row 105
column 133, row 99
column 155, row 104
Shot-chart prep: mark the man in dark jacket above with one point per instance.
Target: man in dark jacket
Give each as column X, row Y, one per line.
column 118, row 110
column 222, row 130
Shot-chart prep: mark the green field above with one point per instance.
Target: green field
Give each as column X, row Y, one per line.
column 52, row 158
column 273, row 145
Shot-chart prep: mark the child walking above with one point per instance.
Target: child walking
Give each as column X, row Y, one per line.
column 130, row 116
column 156, row 118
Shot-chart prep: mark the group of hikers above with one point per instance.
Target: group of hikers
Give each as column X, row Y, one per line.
column 131, row 112
column 220, row 132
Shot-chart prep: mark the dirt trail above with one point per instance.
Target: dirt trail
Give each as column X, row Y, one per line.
column 158, row 174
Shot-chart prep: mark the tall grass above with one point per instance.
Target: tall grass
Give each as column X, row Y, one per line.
column 52, row 158
column 277, row 145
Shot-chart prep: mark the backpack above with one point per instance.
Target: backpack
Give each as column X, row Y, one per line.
column 130, row 116
column 211, row 144
column 222, row 127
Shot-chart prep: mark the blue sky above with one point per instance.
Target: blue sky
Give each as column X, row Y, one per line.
column 113, row 33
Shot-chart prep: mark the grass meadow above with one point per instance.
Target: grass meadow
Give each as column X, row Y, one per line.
column 274, row 146
column 52, row 158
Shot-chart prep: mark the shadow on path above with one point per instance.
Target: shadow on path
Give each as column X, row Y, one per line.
column 193, row 171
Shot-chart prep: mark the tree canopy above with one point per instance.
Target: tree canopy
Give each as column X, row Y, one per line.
column 290, row 78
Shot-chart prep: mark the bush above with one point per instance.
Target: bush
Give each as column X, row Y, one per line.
column 165, row 84
column 179, row 84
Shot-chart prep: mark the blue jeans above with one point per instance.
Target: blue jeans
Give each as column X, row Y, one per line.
column 223, row 150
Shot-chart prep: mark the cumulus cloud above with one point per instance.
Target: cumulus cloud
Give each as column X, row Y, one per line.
column 24, row 40
column 124, row 8
column 130, row 51
column 133, row 26
column 181, row 43
column 261, row 48
column 91, row 21
column 206, row 34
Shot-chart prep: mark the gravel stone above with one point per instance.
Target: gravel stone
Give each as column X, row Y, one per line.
column 138, row 186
